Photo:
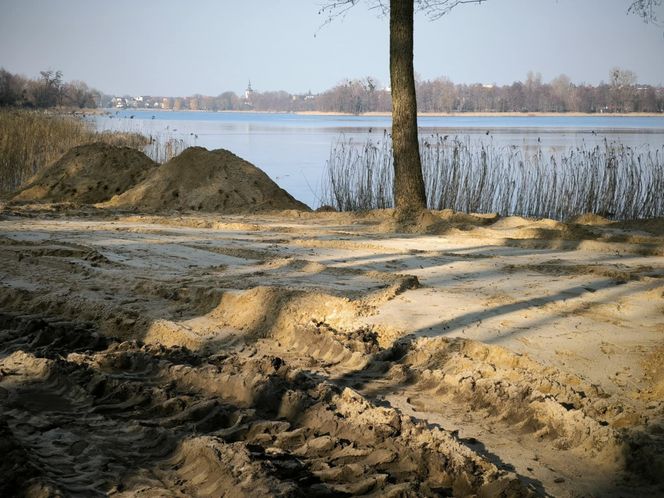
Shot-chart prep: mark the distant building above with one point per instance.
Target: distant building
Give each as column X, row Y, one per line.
column 119, row 102
column 248, row 95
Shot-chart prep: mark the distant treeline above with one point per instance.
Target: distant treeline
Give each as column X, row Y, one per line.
column 622, row 94
column 49, row 90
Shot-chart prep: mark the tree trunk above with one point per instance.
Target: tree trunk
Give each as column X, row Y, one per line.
column 409, row 196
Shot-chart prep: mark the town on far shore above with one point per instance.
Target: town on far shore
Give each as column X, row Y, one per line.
column 225, row 101
column 622, row 94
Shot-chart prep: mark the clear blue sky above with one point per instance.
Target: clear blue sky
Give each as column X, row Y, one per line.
column 169, row 47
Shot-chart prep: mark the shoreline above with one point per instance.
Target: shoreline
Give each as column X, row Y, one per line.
column 509, row 114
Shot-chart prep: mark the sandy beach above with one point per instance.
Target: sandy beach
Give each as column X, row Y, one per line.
column 327, row 354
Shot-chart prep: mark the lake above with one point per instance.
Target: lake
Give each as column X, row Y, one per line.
column 293, row 149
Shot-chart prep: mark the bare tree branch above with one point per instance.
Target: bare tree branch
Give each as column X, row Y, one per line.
column 336, row 9
column 646, row 10
column 435, row 9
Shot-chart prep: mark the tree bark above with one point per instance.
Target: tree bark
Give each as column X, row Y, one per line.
column 409, row 195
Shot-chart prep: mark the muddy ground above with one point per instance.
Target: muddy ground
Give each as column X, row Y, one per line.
column 324, row 354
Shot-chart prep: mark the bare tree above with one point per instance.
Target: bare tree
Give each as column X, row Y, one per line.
column 562, row 93
column 48, row 92
column 12, row 88
column 78, row 94
column 622, row 83
column 648, row 10
column 409, row 196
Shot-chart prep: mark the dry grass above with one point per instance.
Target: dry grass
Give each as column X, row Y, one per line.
column 32, row 140
column 161, row 149
column 611, row 179
column 359, row 177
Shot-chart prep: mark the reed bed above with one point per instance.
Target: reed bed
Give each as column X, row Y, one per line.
column 359, row 177
column 611, row 179
column 161, row 148
column 32, row 140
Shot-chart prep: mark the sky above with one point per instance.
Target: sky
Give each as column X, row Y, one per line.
column 179, row 48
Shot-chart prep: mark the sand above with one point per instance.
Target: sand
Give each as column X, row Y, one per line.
column 329, row 354
column 202, row 180
column 87, row 174
column 123, row 178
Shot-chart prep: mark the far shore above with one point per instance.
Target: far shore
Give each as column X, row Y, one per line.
column 509, row 114
column 492, row 114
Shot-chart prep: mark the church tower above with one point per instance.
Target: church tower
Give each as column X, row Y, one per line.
column 248, row 92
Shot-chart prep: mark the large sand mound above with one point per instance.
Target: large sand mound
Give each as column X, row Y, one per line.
column 202, row 180
column 88, row 174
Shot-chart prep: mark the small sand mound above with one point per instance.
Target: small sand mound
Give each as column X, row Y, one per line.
column 428, row 222
column 590, row 219
column 521, row 222
column 202, row 180
column 424, row 222
column 472, row 219
column 88, row 174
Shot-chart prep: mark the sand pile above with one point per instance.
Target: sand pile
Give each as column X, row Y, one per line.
column 590, row 219
column 88, row 174
column 202, row 180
